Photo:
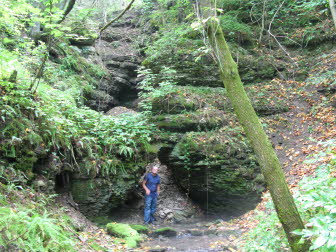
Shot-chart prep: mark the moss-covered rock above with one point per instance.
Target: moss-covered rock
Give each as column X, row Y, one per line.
column 140, row 228
column 82, row 41
column 267, row 99
column 217, row 165
column 191, row 99
column 97, row 196
column 165, row 231
column 131, row 236
column 200, row 120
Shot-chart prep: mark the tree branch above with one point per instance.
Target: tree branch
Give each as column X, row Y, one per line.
column 119, row 16
column 69, row 7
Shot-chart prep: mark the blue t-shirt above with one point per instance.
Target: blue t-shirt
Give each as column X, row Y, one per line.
column 152, row 182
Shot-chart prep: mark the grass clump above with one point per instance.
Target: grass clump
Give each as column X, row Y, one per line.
column 131, row 236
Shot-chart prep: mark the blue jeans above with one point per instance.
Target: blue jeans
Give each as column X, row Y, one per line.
column 150, row 207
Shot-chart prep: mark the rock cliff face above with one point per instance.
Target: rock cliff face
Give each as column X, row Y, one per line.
column 118, row 51
column 200, row 142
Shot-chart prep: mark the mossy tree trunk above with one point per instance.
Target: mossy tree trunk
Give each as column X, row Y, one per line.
column 267, row 158
column 333, row 10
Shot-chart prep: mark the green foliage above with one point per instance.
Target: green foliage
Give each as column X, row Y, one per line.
column 53, row 120
column 60, row 126
column 318, row 201
column 168, row 11
column 29, row 226
column 175, row 41
column 235, row 30
column 30, row 230
column 156, row 86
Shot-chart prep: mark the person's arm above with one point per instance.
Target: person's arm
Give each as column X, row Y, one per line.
column 158, row 189
column 145, row 187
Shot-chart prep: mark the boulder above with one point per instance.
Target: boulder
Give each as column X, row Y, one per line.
column 195, row 232
column 120, row 110
column 129, row 66
column 165, row 232
column 120, row 82
column 120, row 58
column 82, row 41
column 117, row 72
column 99, row 100
column 110, row 37
column 200, row 120
column 88, row 50
column 216, row 167
column 112, row 64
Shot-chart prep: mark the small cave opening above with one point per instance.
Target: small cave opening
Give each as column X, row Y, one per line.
column 134, row 200
column 131, row 209
column 128, row 97
column 63, row 182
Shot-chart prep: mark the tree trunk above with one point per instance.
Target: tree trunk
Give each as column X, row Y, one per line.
column 267, row 158
column 69, row 6
column 333, row 10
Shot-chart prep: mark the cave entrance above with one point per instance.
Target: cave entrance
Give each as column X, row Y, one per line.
column 128, row 96
column 63, row 182
column 214, row 202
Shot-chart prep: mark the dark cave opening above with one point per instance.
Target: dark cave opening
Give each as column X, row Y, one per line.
column 63, row 182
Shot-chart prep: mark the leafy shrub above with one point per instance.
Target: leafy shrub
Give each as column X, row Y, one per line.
column 26, row 222
column 28, row 230
column 53, row 120
column 318, row 201
column 156, row 86
column 175, row 41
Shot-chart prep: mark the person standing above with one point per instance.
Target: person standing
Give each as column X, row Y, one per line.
column 151, row 185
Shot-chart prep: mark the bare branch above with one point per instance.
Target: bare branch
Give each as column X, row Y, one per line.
column 119, row 16
column 274, row 37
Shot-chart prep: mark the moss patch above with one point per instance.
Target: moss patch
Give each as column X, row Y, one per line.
column 140, row 228
column 200, row 120
column 131, row 236
column 267, row 99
